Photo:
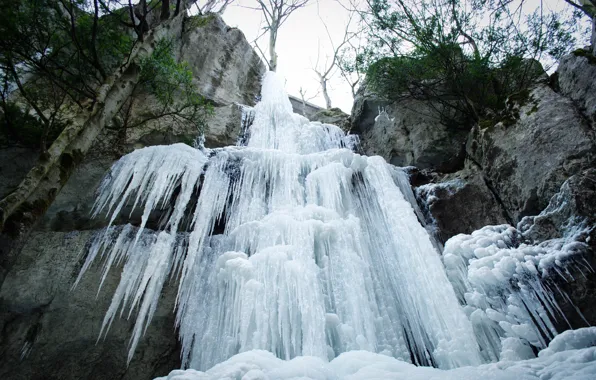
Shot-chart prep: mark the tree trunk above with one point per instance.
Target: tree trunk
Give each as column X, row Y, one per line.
column 165, row 10
column 323, row 82
column 47, row 177
column 272, row 53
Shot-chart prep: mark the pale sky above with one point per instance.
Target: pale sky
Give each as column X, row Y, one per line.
column 302, row 37
column 297, row 44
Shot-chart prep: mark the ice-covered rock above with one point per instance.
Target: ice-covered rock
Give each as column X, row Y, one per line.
column 459, row 203
column 578, row 364
column 320, row 252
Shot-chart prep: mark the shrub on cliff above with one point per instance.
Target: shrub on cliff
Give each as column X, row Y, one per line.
column 467, row 56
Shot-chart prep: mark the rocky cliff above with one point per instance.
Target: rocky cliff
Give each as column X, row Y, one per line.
column 535, row 171
column 49, row 330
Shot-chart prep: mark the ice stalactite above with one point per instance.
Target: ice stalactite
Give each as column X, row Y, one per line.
column 500, row 278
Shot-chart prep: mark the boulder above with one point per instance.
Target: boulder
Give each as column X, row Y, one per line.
column 407, row 133
column 333, row 116
column 527, row 159
column 227, row 72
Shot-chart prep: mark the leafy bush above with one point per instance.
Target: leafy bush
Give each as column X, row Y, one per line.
column 172, row 84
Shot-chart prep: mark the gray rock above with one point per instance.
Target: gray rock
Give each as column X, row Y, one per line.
column 577, row 80
column 50, row 331
column 407, row 133
column 307, row 109
column 571, row 213
column 71, row 209
column 460, row 203
column 527, row 161
column 573, row 206
column 333, row 116
column 226, row 69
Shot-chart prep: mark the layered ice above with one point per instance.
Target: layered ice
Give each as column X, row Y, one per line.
column 295, row 257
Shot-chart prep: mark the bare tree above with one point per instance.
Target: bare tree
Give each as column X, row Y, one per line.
column 350, row 66
column 588, row 7
column 305, row 99
column 213, row 6
column 276, row 12
column 325, row 72
column 45, row 43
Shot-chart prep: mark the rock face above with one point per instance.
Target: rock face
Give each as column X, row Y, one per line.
column 407, row 133
column 527, row 162
column 460, row 203
column 333, row 116
column 15, row 162
column 227, row 72
column 50, row 331
column 577, row 81
column 572, row 211
column 307, row 109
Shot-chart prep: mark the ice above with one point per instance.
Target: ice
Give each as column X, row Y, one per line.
column 296, row 257
column 500, row 276
column 578, row 364
column 571, row 340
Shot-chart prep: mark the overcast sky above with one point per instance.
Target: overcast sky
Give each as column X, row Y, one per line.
column 297, row 43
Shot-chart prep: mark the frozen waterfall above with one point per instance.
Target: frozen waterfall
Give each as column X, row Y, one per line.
column 291, row 244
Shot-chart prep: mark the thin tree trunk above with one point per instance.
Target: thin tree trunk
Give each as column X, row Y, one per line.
column 272, row 53
column 323, row 82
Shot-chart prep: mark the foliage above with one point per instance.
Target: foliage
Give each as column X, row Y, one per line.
column 467, row 55
column 19, row 127
column 171, row 83
column 55, row 55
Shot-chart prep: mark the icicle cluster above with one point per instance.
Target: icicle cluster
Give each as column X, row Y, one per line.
column 500, row 279
column 318, row 250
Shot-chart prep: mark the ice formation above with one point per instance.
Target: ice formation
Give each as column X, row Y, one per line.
column 500, row 279
column 569, row 356
column 296, row 257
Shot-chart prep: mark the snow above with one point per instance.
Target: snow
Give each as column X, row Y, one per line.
column 576, row 361
column 571, row 340
column 319, row 267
